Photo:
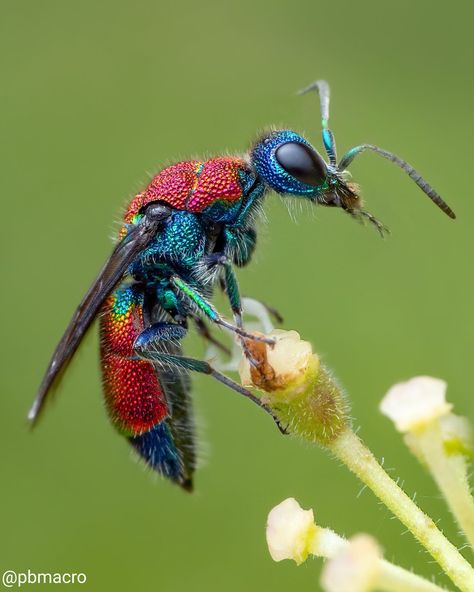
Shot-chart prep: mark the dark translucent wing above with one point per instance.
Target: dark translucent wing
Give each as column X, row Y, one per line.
column 181, row 418
column 115, row 268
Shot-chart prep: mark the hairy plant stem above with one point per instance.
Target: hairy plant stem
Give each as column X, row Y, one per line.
column 393, row 578
column 348, row 448
column 390, row 577
column 450, row 473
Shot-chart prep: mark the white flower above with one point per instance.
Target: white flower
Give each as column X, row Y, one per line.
column 413, row 404
column 289, row 358
column 355, row 568
column 290, row 531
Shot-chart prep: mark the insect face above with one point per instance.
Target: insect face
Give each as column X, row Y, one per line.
column 288, row 163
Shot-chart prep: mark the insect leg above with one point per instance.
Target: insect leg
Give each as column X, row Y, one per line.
column 153, row 334
column 231, row 288
column 359, row 215
column 176, row 331
column 205, row 307
column 233, row 294
column 322, row 88
column 147, row 351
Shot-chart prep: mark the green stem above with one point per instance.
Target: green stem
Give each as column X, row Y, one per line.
column 357, row 457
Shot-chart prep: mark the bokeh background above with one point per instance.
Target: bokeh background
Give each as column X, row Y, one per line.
column 97, row 95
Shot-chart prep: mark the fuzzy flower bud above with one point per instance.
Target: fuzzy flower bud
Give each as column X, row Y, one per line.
column 296, row 387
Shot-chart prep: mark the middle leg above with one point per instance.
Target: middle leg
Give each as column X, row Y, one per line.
column 146, row 348
column 202, row 305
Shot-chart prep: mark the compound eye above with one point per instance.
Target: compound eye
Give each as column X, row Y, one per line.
column 302, row 162
column 157, row 211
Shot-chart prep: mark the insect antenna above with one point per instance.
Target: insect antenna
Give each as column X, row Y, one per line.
column 322, row 88
column 409, row 170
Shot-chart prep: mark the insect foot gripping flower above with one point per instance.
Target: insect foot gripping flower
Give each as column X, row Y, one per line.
column 440, row 440
column 303, row 397
column 352, row 566
column 298, row 389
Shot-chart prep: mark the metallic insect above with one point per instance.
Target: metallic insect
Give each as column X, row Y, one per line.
column 181, row 238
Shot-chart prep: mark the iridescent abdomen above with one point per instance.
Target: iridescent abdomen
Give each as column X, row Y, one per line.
column 134, row 396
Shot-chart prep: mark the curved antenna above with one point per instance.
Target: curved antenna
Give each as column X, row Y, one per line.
column 409, row 170
column 322, row 88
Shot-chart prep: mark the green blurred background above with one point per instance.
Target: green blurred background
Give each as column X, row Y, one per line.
column 96, row 95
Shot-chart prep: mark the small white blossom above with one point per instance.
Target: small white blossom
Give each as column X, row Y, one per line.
column 354, row 565
column 290, row 531
column 354, row 568
column 413, row 404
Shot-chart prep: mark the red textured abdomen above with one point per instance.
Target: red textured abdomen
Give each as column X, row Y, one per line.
column 134, row 397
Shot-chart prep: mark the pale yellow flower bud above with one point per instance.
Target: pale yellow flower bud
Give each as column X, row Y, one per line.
column 290, row 531
column 413, row 404
column 285, row 363
column 296, row 387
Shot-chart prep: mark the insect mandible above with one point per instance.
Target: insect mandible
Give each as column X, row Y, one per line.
column 181, row 238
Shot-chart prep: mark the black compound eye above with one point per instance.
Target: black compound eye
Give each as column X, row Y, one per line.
column 157, row 211
column 301, row 162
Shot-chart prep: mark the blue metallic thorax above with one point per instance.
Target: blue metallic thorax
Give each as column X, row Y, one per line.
column 182, row 241
column 268, row 168
column 177, row 248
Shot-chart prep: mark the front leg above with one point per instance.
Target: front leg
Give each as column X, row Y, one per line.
column 231, row 288
column 229, row 284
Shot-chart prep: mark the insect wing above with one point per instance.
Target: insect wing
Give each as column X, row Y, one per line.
column 113, row 271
